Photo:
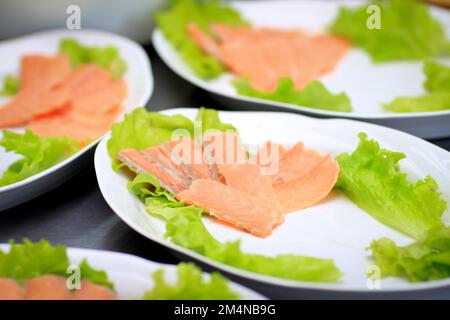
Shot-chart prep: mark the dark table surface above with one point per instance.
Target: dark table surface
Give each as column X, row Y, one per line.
column 75, row 214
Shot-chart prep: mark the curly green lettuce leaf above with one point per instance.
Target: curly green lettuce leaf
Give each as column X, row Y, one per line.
column 11, row 85
column 437, row 98
column 39, row 154
column 185, row 228
column 426, row 103
column 141, row 129
column 437, row 77
column 28, row 260
column 407, row 30
column 371, row 178
column 107, row 57
column 426, row 259
column 99, row 277
column 314, row 95
column 147, row 185
column 209, row 119
column 190, row 285
column 173, row 23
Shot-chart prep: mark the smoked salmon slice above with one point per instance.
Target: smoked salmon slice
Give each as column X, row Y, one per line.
column 47, row 287
column 269, row 153
column 230, row 205
column 164, row 164
column 265, row 55
column 90, row 291
column 267, row 157
column 187, row 153
column 177, row 163
column 227, row 33
column 239, row 191
column 38, row 77
column 310, row 188
column 51, row 287
column 93, row 103
column 30, row 103
column 78, row 125
column 10, row 290
column 43, row 71
column 98, row 92
column 223, row 148
column 295, row 163
column 248, row 179
column 55, row 101
column 161, row 155
column 204, row 41
column 141, row 162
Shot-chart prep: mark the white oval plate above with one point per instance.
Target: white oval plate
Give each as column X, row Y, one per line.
column 131, row 275
column 335, row 229
column 366, row 84
column 140, row 87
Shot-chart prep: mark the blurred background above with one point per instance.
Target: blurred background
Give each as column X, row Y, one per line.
column 131, row 18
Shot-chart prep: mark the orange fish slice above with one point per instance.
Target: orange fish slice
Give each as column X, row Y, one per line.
column 94, row 103
column 230, row 205
column 43, row 71
column 30, row 103
column 248, row 179
column 310, row 188
column 79, row 125
column 295, row 163
column 269, row 153
column 10, row 290
column 90, row 291
column 47, row 287
column 140, row 162
column 265, row 55
column 39, row 75
column 187, row 153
